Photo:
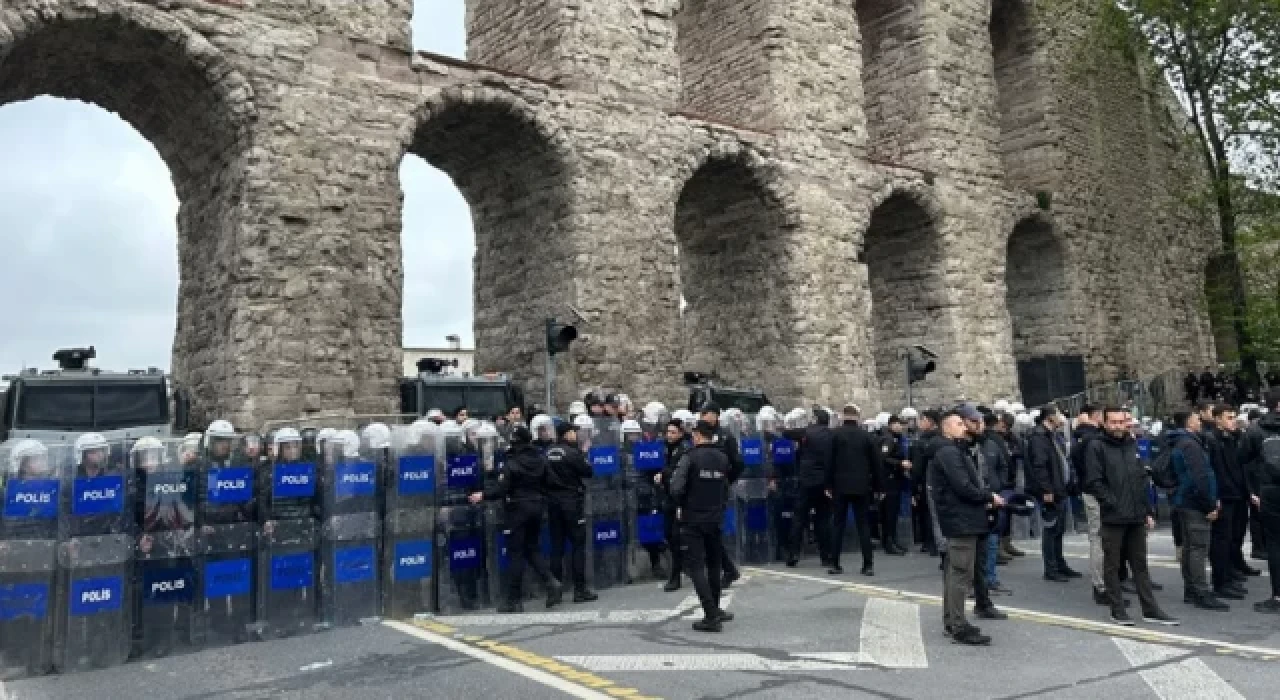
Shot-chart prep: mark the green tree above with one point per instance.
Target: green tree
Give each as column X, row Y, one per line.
column 1222, row 58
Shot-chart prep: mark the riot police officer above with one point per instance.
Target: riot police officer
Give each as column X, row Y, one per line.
column 567, row 467
column 227, row 510
column 676, row 447
column 28, row 543
column 722, row 440
column 700, row 487
column 896, row 468
column 287, row 571
column 164, row 576
column 520, row 489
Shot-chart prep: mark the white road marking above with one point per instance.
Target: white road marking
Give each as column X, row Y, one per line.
column 317, row 665
column 891, row 634
column 714, row 662
column 689, row 606
column 533, row 674
column 1149, row 635
column 1191, row 679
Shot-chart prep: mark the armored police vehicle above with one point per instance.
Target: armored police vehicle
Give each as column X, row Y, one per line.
column 704, row 388
column 485, row 397
column 56, row 405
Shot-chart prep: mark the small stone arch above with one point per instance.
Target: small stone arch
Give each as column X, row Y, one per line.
column 1038, row 290
column 189, row 101
column 732, row 223
column 516, row 168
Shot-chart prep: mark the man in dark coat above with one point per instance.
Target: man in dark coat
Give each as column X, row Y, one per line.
column 1047, row 480
column 962, row 501
column 1196, row 506
column 920, row 452
column 853, row 476
column 1118, row 480
column 896, row 468
column 1225, row 555
column 813, row 458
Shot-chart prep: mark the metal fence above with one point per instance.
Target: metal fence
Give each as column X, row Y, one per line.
column 1154, row 396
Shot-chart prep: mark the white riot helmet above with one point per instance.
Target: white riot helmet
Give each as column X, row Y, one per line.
column 434, row 414
column 147, row 452
column 28, row 453
column 577, row 408
column 796, row 418
column 1035, row 413
column 767, row 420
column 882, row 418
column 220, row 429
column 909, row 414
column 870, row 425
column 631, row 430
column 1016, row 407
column 1024, row 419
column 1001, row 406
column 286, row 435
column 91, row 442
column 191, row 443
column 583, row 422
column 686, row 418
column 377, row 436
column 543, row 428
column 325, row 434
column 350, row 441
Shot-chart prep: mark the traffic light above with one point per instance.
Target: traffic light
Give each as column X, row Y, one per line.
column 559, row 336
column 920, row 363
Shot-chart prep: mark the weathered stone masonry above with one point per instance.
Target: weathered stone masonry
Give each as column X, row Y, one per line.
column 826, row 180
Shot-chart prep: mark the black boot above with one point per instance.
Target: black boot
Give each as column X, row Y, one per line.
column 673, row 584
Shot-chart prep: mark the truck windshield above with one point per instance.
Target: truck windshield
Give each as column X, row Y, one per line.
column 487, row 401
column 80, row 406
column 747, row 403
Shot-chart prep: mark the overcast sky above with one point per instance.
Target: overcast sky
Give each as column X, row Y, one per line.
column 90, row 241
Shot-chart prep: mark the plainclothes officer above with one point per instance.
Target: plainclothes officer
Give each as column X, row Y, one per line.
column 566, row 507
column 521, row 488
column 677, row 446
column 700, row 489
column 896, row 468
column 813, row 460
column 853, row 476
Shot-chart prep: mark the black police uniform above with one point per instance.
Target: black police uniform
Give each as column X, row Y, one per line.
column 700, row 489
column 566, row 510
column 675, row 451
column 521, row 488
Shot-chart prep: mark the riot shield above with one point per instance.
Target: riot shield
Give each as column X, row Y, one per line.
column 491, row 449
column 756, row 537
column 94, row 585
column 643, row 457
column 228, row 544
column 166, row 557
column 30, row 478
column 786, row 493
column 461, row 576
column 460, row 474
column 603, row 454
column 409, row 561
column 498, row 559
column 349, row 569
column 609, row 534
column 287, row 578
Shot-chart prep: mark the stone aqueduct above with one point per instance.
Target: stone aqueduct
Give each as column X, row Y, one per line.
column 823, row 180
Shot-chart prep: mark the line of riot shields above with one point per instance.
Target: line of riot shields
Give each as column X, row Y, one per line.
column 111, row 551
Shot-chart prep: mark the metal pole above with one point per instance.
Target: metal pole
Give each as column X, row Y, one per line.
column 550, row 410
column 906, row 361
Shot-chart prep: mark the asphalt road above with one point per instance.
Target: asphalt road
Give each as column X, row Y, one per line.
column 799, row 633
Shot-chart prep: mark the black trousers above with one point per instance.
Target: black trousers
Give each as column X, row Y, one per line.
column 861, row 504
column 1257, row 531
column 1239, row 528
column 524, row 525
column 702, row 548
column 1221, row 533
column 812, row 498
column 924, row 528
column 671, row 529
column 1126, row 544
column 1271, row 523
column 568, row 521
column 890, row 509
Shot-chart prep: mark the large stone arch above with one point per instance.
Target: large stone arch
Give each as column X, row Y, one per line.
column 733, row 220
column 1023, row 96
column 181, row 94
column 515, row 168
column 1038, row 291
column 894, row 78
column 911, row 302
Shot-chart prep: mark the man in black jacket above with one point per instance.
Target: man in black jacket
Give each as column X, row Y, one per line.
column 724, row 441
column 995, row 463
column 852, row 477
column 1118, row 480
column 521, row 488
column 1047, row 480
column 1088, row 428
column 700, row 489
column 920, row 452
column 567, row 467
column 1261, row 457
column 962, row 502
column 677, row 445
column 1196, row 506
column 895, row 467
column 1225, row 555
column 813, row 459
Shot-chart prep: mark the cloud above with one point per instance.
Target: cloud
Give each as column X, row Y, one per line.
column 87, row 215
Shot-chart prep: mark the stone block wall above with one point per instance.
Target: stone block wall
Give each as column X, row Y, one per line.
column 864, row 182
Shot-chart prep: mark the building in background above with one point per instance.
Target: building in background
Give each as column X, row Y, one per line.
column 453, row 351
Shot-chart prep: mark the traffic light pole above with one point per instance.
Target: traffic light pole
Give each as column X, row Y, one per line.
column 906, row 369
column 551, row 371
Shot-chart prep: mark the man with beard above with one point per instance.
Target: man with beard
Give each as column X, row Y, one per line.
column 1118, row 481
